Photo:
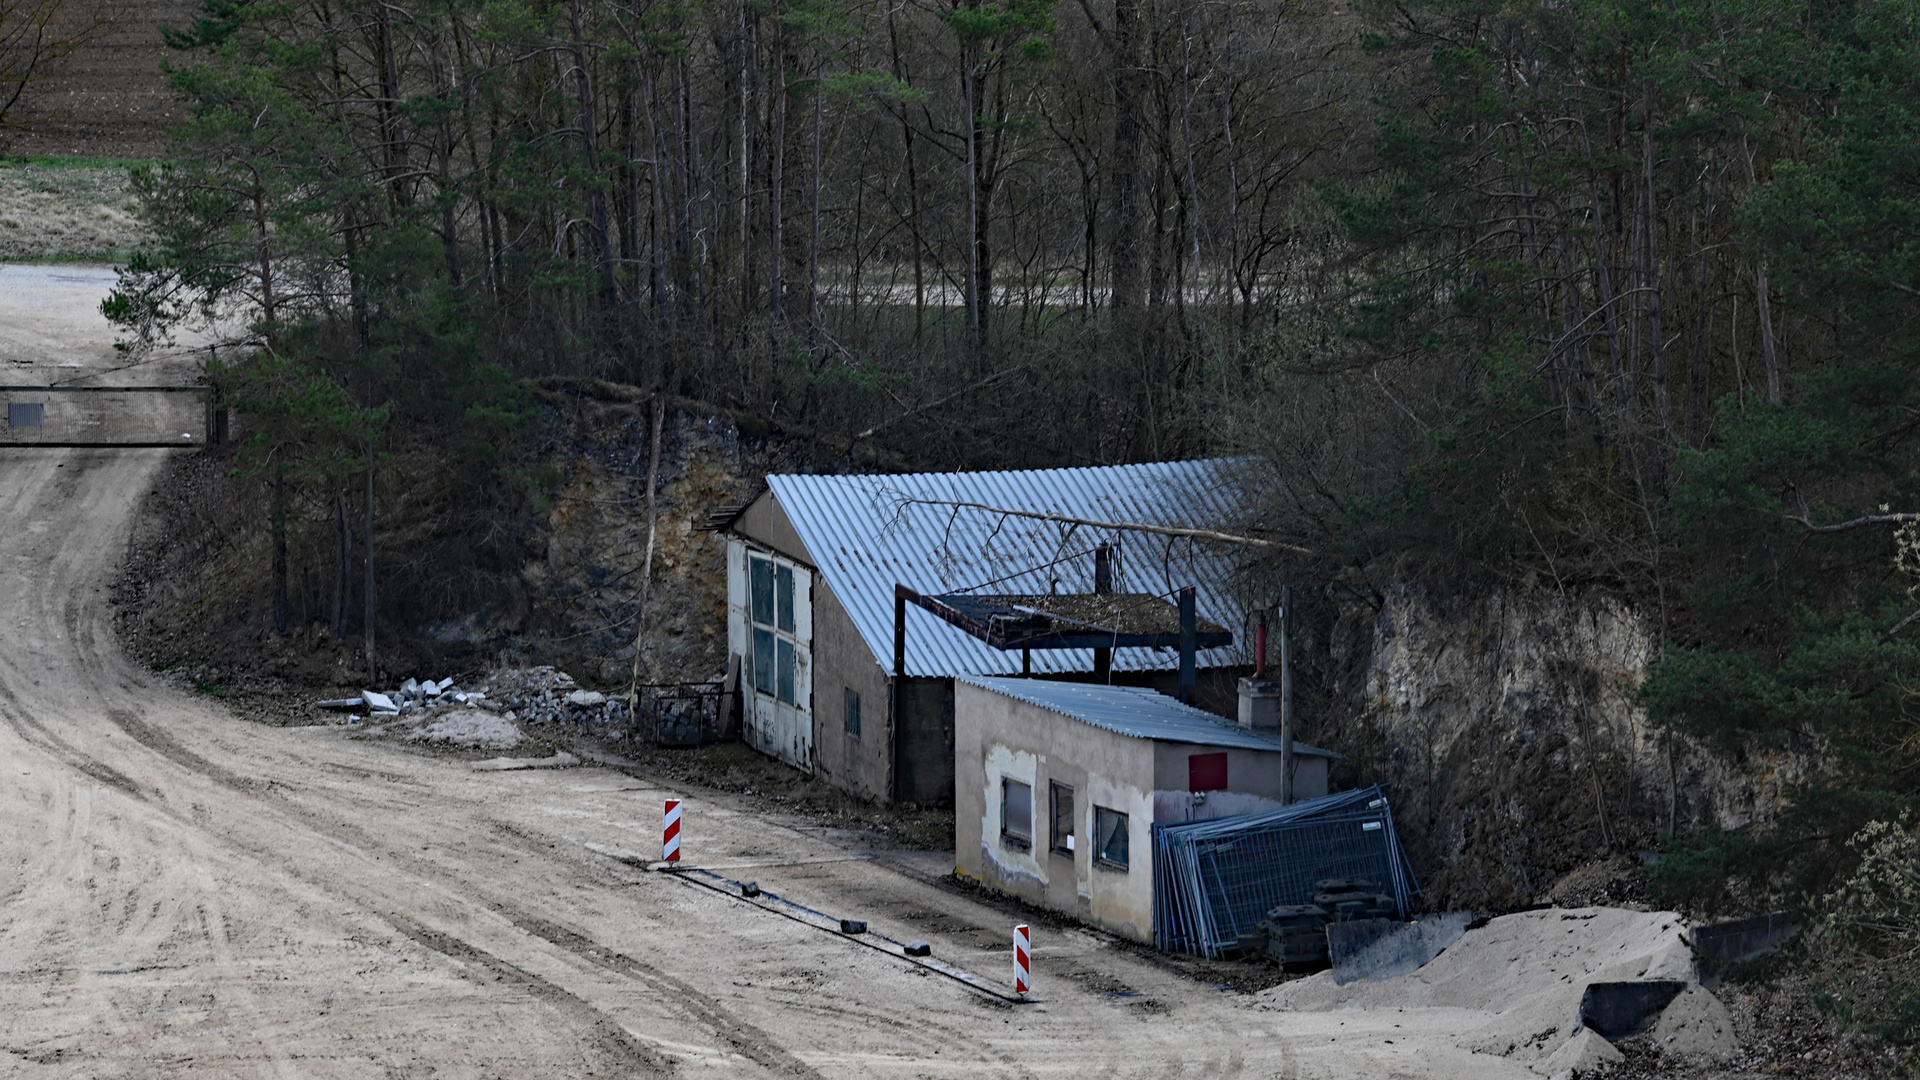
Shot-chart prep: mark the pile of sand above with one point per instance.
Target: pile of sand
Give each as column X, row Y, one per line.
column 1527, row 972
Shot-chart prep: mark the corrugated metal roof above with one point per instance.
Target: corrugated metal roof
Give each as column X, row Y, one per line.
column 867, row 533
column 1137, row 712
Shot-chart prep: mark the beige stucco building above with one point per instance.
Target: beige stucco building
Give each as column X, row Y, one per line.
column 1057, row 786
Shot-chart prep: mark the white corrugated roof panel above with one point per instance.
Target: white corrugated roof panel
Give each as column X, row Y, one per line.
column 1137, row 712
column 866, row 533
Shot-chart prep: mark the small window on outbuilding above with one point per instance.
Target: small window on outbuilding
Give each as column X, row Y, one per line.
column 1110, row 833
column 760, row 577
column 1061, row 835
column 786, row 680
column 853, row 712
column 763, row 661
column 1207, row 772
column 1016, row 813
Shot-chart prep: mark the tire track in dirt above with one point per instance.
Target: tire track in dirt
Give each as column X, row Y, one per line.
column 609, row 1037
column 35, row 734
column 744, row 1038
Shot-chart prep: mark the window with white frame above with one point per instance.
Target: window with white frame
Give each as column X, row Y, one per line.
column 770, row 610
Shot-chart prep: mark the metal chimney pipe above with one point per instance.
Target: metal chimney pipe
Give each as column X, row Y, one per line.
column 1103, row 583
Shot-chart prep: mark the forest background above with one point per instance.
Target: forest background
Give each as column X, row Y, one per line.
column 1591, row 296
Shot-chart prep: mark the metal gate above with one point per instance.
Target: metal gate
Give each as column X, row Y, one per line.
column 97, row 416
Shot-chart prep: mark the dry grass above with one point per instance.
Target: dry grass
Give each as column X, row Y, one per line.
column 61, row 212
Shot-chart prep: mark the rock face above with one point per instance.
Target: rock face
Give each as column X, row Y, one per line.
column 1508, row 728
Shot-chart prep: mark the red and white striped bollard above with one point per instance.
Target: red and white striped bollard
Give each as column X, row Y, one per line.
column 1022, row 959
column 670, row 839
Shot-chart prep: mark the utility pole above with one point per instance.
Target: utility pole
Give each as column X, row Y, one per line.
column 1286, row 694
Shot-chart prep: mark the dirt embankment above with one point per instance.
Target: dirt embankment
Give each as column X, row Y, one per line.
column 197, row 593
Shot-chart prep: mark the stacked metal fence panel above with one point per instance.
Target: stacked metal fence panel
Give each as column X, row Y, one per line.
column 1215, row 880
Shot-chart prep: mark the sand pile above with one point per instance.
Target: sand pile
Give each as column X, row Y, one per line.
column 1527, row 972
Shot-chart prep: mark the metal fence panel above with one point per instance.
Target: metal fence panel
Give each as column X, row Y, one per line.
column 1215, row 880
column 107, row 416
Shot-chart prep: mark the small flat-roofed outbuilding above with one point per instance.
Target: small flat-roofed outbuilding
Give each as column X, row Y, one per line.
column 1057, row 786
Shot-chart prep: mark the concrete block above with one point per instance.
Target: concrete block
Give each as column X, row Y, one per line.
column 917, row 948
column 586, row 697
column 1619, row 1009
column 853, row 926
column 1260, row 704
column 1374, row 949
column 1721, row 944
column 378, row 702
column 751, row 888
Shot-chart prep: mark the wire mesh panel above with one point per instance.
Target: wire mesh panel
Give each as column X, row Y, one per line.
column 1215, row 880
column 104, row 416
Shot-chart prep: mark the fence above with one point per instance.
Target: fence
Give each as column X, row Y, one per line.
column 123, row 416
column 683, row 714
column 1215, row 880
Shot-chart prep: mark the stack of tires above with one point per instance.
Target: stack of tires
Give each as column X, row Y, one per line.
column 1353, row 899
column 1296, row 934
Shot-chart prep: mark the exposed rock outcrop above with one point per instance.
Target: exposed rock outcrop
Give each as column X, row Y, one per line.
column 1508, row 728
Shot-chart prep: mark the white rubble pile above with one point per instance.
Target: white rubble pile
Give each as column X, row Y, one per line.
column 1527, row 972
column 535, row 696
column 469, row 728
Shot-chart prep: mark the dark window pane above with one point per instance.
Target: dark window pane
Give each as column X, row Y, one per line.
column 853, row 713
column 1061, row 836
column 786, row 673
column 1016, row 810
column 763, row 661
column 761, row 575
column 1110, row 830
column 783, row 596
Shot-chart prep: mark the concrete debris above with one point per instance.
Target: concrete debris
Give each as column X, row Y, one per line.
column 534, row 696
column 469, row 728
column 1526, row 972
column 542, row 695
column 1582, row 1055
column 562, row 760
column 1695, row 1023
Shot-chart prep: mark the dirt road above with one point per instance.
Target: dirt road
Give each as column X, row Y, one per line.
column 183, row 892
